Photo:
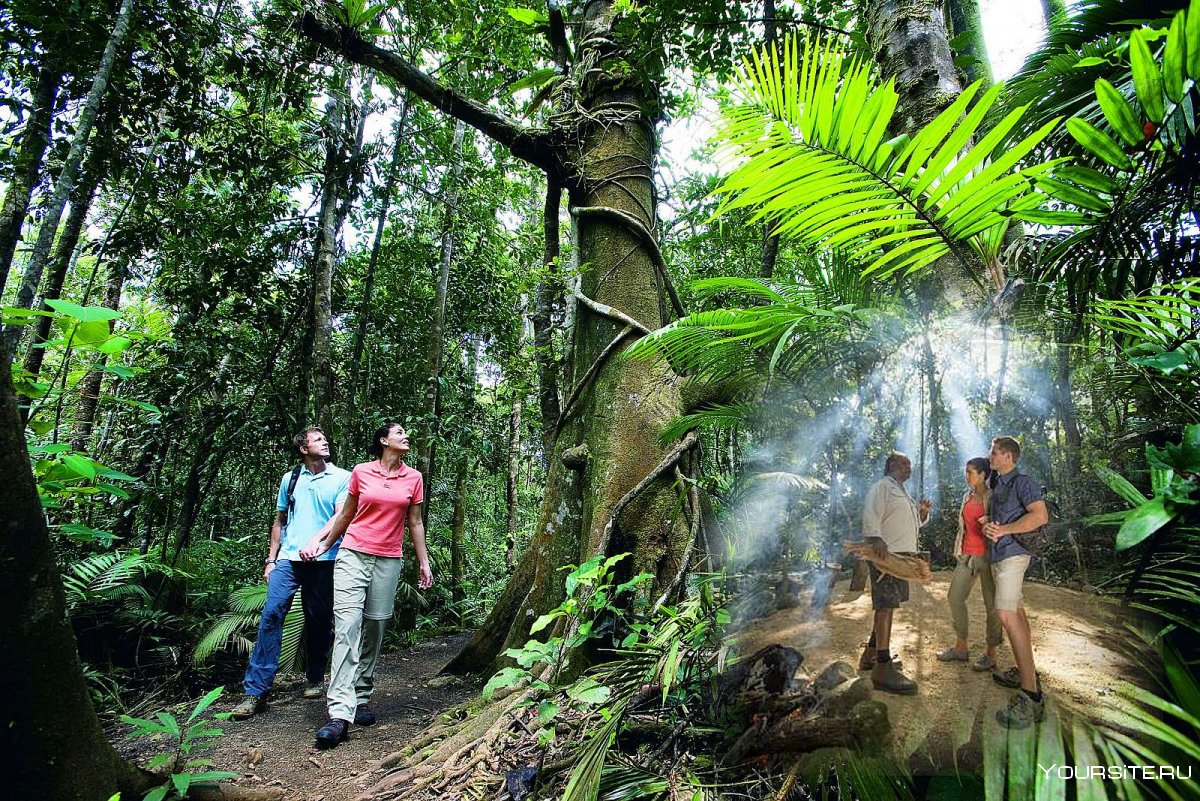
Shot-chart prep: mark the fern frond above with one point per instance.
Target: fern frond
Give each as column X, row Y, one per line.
column 810, row 138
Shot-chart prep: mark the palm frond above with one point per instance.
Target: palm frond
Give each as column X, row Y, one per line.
column 811, row 140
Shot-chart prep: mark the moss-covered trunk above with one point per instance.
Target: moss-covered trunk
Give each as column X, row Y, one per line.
column 908, row 38
column 608, row 441
column 49, row 734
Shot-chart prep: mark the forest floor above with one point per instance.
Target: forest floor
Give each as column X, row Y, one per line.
column 1077, row 648
column 275, row 748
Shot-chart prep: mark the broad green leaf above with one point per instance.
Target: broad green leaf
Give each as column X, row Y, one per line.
column 543, row 621
column 1089, row 61
column 1173, row 61
column 1099, row 143
column 527, row 16
column 181, row 782
column 505, row 677
column 84, row 314
column 1142, row 522
column 120, row 370
column 1120, row 485
column 93, row 332
column 114, row 345
column 534, row 79
column 80, row 465
column 1086, row 176
column 1119, row 113
column 588, row 691
column 1192, row 37
column 158, row 793
column 1146, row 77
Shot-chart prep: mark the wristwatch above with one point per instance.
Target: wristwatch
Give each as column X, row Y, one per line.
column 269, row 561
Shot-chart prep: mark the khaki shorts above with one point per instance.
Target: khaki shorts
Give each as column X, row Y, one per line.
column 1009, row 576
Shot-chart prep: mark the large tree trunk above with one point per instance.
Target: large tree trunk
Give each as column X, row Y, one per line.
column 608, row 442
column 770, row 245
column 49, row 734
column 437, row 328
column 964, row 19
column 27, row 167
column 70, row 170
column 910, row 44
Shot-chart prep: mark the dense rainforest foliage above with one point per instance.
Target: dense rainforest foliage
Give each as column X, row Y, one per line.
column 655, row 287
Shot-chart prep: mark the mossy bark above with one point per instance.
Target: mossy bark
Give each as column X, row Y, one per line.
column 908, row 38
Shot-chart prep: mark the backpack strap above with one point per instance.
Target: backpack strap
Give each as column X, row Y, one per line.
column 291, row 494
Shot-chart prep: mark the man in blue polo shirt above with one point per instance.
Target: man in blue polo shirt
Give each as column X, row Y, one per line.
column 1016, row 507
column 320, row 490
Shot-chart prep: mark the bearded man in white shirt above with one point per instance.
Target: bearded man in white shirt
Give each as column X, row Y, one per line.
column 890, row 522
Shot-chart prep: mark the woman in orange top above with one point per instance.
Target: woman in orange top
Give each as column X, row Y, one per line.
column 970, row 554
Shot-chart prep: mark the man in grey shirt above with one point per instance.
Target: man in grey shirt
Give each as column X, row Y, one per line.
column 890, row 522
column 1016, row 507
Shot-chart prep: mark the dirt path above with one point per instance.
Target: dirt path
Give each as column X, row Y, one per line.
column 279, row 742
column 1075, row 638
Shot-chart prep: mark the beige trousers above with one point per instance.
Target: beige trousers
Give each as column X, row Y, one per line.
column 364, row 594
column 965, row 571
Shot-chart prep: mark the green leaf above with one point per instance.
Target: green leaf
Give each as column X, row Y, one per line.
column 1146, row 77
column 84, row 314
column 120, row 371
column 181, row 782
column 1173, row 58
column 505, row 677
column 1120, row 485
column 588, row 691
column 534, row 79
column 546, row 710
column 1192, row 44
column 1142, row 522
column 161, row 759
column 206, row 702
column 212, row 776
column 544, row 620
column 114, row 345
column 80, row 466
column 1119, row 113
column 527, row 16
column 1099, row 143
column 1089, row 61
column 158, row 793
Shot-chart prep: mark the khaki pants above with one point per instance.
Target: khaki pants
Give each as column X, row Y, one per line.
column 965, row 571
column 364, row 594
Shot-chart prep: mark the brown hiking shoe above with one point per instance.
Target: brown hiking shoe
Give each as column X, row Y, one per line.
column 250, row 706
column 886, row 676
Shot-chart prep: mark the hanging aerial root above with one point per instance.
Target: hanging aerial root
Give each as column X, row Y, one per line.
column 694, row 534
column 605, row 310
column 647, row 238
column 669, row 461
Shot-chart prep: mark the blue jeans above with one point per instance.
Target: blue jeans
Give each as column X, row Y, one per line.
column 316, row 581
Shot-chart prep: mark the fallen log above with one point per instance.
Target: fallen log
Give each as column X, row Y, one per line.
column 867, row 728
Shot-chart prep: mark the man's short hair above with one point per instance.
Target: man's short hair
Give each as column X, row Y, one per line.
column 1009, row 446
column 301, row 439
column 894, row 459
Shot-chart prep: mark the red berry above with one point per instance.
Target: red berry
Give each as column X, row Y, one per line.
column 1149, row 129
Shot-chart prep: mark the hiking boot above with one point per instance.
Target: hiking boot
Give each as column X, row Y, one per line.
column 314, row 689
column 1011, row 678
column 364, row 716
column 984, row 662
column 953, row 655
column 886, row 676
column 1021, row 712
column 250, row 706
column 332, row 733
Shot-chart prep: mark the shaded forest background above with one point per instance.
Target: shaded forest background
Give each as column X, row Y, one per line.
column 216, row 232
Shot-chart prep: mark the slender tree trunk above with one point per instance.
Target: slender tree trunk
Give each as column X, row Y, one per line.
column 964, row 19
column 437, row 328
column 548, row 292
column 770, row 246
column 89, row 388
column 458, row 526
column 511, row 491
column 64, row 256
column 910, row 44
column 320, row 363
column 70, row 170
column 364, row 312
column 27, row 168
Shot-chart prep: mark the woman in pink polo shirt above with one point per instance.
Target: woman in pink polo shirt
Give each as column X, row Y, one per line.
column 384, row 496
